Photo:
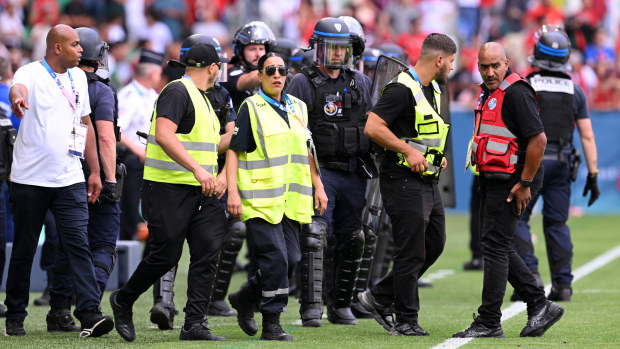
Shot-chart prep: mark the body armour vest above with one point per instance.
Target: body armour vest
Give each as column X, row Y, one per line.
column 555, row 93
column 275, row 180
column 201, row 143
column 494, row 148
column 337, row 119
column 432, row 130
column 221, row 107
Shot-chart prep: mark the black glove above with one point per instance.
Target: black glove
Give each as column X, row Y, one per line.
column 108, row 193
column 592, row 186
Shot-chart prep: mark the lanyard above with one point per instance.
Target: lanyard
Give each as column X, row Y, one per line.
column 417, row 79
column 289, row 108
column 73, row 100
column 135, row 85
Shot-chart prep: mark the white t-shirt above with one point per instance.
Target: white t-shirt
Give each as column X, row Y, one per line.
column 40, row 155
column 135, row 110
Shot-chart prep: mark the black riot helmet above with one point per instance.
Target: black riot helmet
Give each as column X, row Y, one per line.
column 196, row 39
column 357, row 34
column 285, row 48
column 255, row 32
column 299, row 59
column 94, row 51
column 551, row 49
column 332, row 44
column 392, row 50
column 369, row 60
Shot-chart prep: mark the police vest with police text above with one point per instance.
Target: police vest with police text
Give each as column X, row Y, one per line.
column 555, row 92
column 432, row 130
column 337, row 118
column 201, row 143
column 275, row 180
column 494, row 147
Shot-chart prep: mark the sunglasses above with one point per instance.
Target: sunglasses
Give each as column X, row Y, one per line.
column 219, row 65
column 270, row 70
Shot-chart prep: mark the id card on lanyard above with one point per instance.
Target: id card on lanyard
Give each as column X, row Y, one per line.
column 77, row 137
column 290, row 109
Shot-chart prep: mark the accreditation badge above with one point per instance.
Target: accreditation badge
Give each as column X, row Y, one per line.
column 77, row 140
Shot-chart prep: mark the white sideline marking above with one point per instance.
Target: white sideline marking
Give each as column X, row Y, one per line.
column 518, row 307
column 439, row 274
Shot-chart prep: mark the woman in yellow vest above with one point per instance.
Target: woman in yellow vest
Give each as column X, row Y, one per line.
column 270, row 174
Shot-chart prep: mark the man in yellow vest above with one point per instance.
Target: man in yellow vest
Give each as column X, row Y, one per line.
column 179, row 195
column 414, row 134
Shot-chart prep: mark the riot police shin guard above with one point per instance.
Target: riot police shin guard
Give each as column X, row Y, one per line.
column 363, row 276
column 104, row 260
column 350, row 250
column 225, row 268
column 311, row 269
column 163, row 311
column 384, row 252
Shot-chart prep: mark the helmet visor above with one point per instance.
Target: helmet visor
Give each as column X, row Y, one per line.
column 103, row 62
column 223, row 76
column 333, row 53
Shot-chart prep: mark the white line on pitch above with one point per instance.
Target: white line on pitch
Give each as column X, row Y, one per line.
column 518, row 307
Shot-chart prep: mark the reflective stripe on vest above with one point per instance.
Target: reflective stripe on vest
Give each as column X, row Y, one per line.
column 201, row 143
column 275, row 179
column 494, row 147
column 432, row 133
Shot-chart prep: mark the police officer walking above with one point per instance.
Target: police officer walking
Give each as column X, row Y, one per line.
column 180, row 171
column 270, row 181
column 507, row 148
column 338, row 99
column 407, row 122
column 562, row 105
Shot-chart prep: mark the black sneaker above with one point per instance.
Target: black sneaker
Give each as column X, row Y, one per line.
column 60, row 320
column 162, row 316
column 14, row 328
column 408, row 329
column 424, row 283
column 2, row 310
column 272, row 331
column 44, row 300
column 93, row 323
column 474, row 264
column 340, row 316
column 311, row 317
column 198, row 332
column 220, row 308
column 123, row 317
column 245, row 313
column 560, row 293
column 538, row 324
column 478, row 329
column 381, row 313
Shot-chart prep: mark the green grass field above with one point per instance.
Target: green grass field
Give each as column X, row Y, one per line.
column 592, row 318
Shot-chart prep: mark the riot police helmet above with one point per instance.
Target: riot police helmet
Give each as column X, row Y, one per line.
column 255, row 32
column 196, row 39
column 369, row 60
column 301, row 58
column 392, row 50
column 94, row 50
column 357, row 34
column 551, row 49
column 332, row 44
column 285, row 48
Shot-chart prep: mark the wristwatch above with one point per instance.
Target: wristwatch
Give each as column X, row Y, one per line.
column 525, row 182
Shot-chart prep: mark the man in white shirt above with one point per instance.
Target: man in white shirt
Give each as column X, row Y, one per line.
column 135, row 109
column 51, row 96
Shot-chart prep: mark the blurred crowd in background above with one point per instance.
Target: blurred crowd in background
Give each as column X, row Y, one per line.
column 161, row 25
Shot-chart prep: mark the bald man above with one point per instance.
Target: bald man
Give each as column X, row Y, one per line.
column 51, row 96
column 507, row 149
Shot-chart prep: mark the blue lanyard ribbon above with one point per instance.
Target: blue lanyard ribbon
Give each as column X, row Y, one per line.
column 289, row 108
column 72, row 99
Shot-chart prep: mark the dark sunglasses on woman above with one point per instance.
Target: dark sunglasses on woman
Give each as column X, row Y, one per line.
column 270, row 70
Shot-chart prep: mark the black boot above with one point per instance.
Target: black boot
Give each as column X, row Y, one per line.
column 59, row 317
column 243, row 301
column 272, row 331
column 163, row 311
column 45, row 297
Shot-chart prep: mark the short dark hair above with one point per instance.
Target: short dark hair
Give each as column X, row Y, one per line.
column 263, row 58
column 437, row 42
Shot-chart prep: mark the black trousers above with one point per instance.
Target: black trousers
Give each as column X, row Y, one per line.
column 419, row 231
column 130, row 214
column 276, row 250
column 174, row 213
column 474, row 219
column 498, row 222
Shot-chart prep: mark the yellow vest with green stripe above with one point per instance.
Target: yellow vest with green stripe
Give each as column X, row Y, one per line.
column 201, row 143
column 275, row 179
column 431, row 128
